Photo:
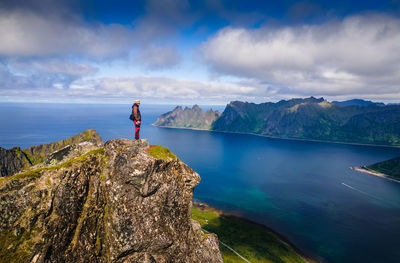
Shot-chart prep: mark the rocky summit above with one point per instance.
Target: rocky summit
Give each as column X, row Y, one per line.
column 112, row 202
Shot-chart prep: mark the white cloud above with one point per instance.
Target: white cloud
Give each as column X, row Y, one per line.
column 156, row 57
column 356, row 57
column 53, row 66
column 168, row 88
column 158, row 89
column 26, row 33
column 28, row 75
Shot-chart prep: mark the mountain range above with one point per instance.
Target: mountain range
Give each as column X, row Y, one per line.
column 309, row 118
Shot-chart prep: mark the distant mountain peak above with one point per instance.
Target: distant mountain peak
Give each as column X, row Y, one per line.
column 193, row 118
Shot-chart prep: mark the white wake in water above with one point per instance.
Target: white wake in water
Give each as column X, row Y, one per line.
column 355, row 189
column 367, row 194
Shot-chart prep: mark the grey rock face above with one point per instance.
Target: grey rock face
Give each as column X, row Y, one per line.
column 193, row 118
column 112, row 204
column 15, row 160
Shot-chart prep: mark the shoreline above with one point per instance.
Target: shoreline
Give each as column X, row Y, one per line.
column 280, row 237
column 365, row 170
column 282, row 138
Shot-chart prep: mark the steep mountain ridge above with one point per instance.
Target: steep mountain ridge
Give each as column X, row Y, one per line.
column 112, row 202
column 193, row 118
column 311, row 118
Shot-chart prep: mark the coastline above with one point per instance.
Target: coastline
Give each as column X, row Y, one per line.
column 183, row 128
column 283, row 138
column 280, row 237
column 363, row 169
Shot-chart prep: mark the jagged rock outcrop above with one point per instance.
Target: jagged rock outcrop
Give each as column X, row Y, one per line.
column 12, row 161
column 114, row 203
column 15, row 160
column 193, row 118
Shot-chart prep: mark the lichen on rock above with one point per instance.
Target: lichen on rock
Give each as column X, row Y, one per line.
column 116, row 203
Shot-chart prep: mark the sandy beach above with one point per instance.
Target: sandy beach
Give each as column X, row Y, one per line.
column 363, row 169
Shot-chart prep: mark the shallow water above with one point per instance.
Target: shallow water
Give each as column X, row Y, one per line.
column 303, row 190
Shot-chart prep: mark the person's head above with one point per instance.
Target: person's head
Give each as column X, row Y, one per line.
column 137, row 102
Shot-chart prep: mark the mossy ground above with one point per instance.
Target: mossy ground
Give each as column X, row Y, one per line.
column 161, row 152
column 253, row 242
column 11, row 248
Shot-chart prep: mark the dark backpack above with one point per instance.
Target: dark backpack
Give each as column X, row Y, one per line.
column 131, row 117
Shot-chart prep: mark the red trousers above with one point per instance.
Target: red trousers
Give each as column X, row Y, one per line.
column 137, row 129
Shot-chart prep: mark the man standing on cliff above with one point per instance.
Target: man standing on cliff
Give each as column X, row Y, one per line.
column 137, row 118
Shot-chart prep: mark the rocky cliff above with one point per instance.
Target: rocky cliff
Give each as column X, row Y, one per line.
column 103, row 203
column 192, row 118
column 15, row 160
column 12, row 161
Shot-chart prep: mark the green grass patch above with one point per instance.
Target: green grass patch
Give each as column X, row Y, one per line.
column 26, row 175
column 253, row 242
column 12, row 248
column 161, row 152
column 105, row 212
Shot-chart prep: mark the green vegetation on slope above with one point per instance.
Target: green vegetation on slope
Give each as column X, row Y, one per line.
column 12, row 248
column 390, row 167
column 252, row 241
column 314, row 119
column 309, row 118
column 161, row 152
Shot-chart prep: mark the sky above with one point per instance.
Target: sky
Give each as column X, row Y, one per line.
column 204, row 52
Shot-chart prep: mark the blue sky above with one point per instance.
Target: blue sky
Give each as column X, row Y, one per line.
column 205, row 52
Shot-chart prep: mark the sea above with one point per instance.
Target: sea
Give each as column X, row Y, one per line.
column 304, row 190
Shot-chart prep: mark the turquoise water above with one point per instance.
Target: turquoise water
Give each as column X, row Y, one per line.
column 303, row 190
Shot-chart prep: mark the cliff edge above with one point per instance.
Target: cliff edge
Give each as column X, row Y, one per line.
column 103, row 203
